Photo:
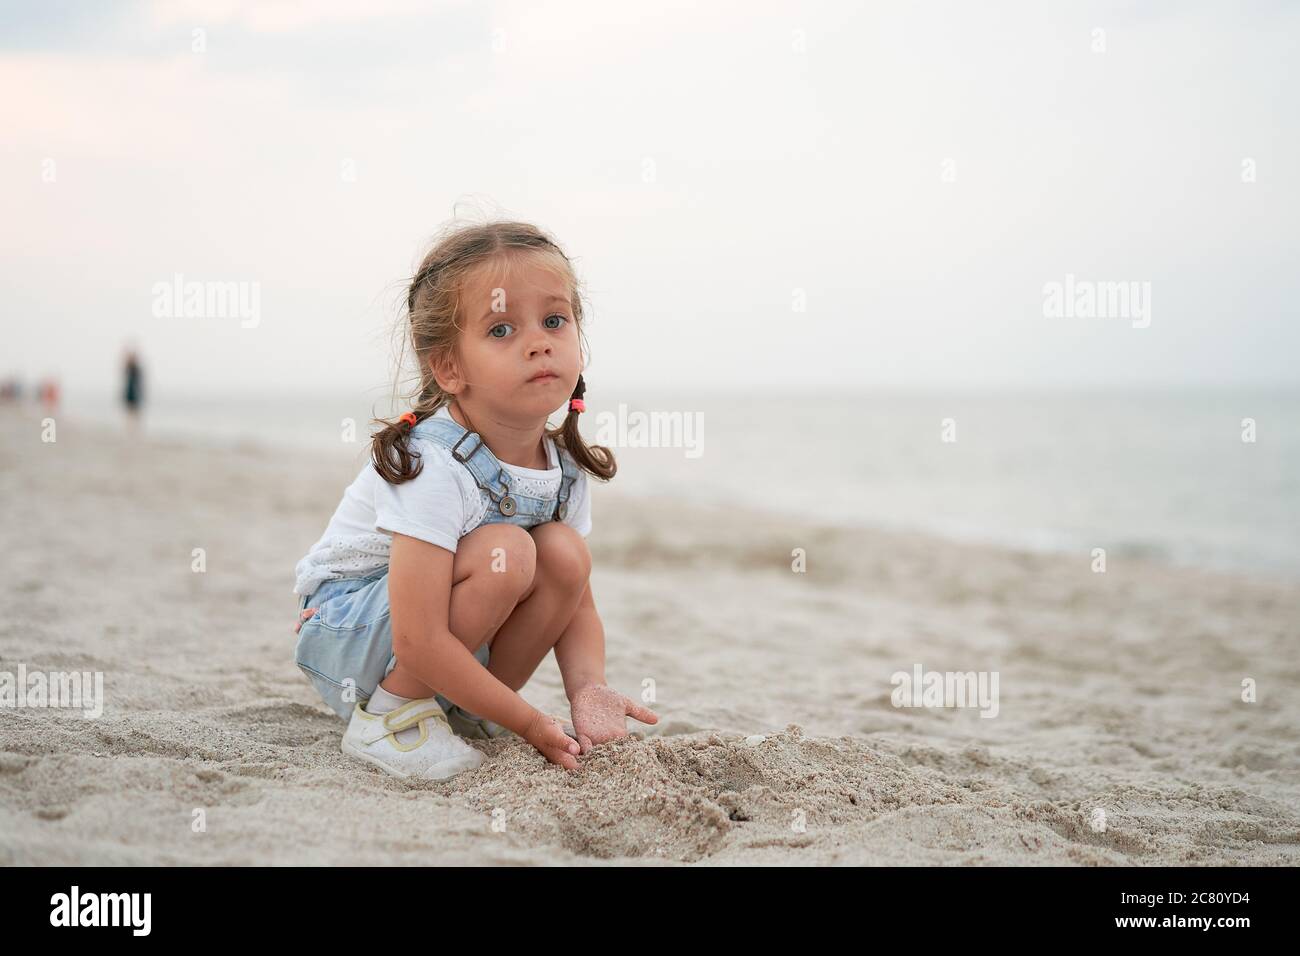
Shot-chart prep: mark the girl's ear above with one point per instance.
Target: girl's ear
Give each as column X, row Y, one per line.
column 446, row 373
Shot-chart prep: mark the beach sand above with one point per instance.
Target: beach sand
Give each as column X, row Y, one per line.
column 1119, row 693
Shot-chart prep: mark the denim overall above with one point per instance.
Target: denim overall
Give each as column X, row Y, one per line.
column 511, row 506
column 346, row 647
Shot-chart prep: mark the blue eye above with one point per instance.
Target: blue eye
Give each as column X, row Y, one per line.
column 506, row 325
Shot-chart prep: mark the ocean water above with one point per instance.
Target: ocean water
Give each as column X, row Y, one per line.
column 1159, row 474
column 1164, row 475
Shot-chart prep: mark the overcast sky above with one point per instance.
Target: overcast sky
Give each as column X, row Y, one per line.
column 918, row 171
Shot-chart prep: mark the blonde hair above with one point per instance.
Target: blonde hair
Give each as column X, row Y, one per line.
column 432, row 311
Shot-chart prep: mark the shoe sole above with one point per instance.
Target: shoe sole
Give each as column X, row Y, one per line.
column 439, row 771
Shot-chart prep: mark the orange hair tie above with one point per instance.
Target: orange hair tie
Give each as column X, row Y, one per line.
column 409, row 418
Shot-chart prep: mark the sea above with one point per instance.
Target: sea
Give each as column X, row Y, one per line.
column 1202, row 477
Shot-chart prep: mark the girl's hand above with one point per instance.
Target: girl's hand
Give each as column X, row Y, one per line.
column 302, row 618
column 546, row 735
column 600, row 715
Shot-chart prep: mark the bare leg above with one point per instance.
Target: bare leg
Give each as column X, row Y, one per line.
column 491, row 573
column 544, row 612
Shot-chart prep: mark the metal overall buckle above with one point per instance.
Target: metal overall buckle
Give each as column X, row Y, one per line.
column 455, row 452
column 505, row 504
column 562, row 508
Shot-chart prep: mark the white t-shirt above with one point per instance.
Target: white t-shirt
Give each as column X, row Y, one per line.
column 440, row 505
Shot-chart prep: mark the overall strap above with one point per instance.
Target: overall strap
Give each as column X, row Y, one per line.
column 570, row 474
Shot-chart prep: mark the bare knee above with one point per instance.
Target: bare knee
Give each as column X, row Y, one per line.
column 562, row 555
column 501, row 557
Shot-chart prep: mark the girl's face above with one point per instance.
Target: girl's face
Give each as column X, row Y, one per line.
column 517, row 325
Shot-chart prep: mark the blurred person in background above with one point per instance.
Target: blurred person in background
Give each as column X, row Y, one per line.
column 133, row 393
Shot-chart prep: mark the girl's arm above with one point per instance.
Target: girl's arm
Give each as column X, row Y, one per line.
column 599, row 712
column 419, row 598
column 580, row 651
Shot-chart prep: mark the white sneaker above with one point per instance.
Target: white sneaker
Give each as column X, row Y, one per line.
column 435, row 755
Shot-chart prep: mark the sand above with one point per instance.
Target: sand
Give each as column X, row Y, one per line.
column 1120, row 693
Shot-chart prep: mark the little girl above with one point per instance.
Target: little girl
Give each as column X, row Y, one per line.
column 456, row 559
